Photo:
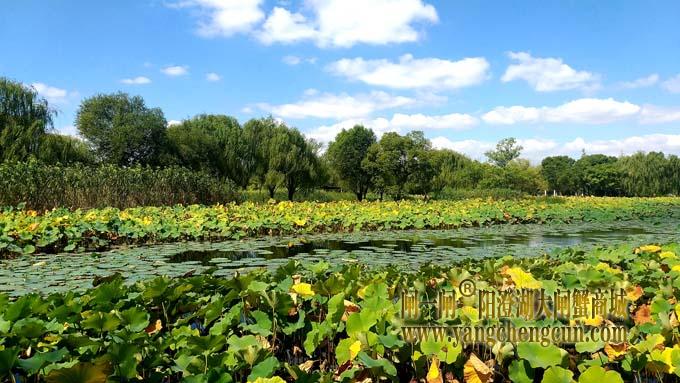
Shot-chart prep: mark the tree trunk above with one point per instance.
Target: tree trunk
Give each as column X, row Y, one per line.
column 291, row 192
column 271, row 191
column 359, row 195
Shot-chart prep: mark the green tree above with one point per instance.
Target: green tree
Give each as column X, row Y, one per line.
column 506, row 150
column 58, row 148
column 215, row 143
column 518, row 175
column 560, row 174
column 122, row 130
column 293, row 160
column 447, row 165
column 672, row 176
column 258, row 133
column 374, row 167
column 599, row 175
column 398, row 163
column 645, row 174
column 421, row 170
column 24, row 119
column 392, row 163
column 345, row 155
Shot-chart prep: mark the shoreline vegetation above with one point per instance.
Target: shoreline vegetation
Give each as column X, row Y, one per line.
column 134, row 156
column 25, row 231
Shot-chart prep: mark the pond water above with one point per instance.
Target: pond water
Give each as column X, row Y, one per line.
column 408, row 249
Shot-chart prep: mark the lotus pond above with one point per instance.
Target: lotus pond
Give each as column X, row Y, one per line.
column 407, row 250
column 317, row 322
column 28, row 231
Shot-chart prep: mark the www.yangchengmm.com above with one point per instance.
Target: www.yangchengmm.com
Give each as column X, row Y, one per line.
column 469, row 335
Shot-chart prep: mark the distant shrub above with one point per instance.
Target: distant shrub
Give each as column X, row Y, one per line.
column 40, row 186
column 459, row 194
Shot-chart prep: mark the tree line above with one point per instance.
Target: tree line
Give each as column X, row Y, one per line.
column 263, row 153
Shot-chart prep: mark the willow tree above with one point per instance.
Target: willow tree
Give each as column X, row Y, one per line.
column 214, row 143
column 293, row 159
column 59, row 148
column 25, row 118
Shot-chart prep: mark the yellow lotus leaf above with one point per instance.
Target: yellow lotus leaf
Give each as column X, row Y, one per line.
column 475, row 371
column 362, row 292
column 595, row 322
column 661, row 361
column 434, row 375
column 522, row 279
column 605, row 267
column 273, row 379
column 354, row 349
column 648, row 249
column 470, row 312
column 667, row 254
column 615, row 350
column 303, row 289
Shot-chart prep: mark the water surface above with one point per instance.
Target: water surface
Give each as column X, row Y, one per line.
column 408, row 249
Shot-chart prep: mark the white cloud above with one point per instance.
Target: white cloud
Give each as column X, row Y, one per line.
column 473, row 148
column 399, row 122
column 285, row 27
column 641, row 82
column 53, row 94
column 175, row 70
column 338, row 106
column 537, row 149
column 651, row 114
column 291, row 60
column 531, row 147
column 344, row 23
column 224, row 17
column 508, row 115
column 295, row 60
column 672, row 84
column 454, row 121
column 327, row 133
column 212, row 77
column 174, row 122
column 584, row 110
column 139, row 80
column 667, row 143
column 410, row 73
column 548, row 74
column 69, row 130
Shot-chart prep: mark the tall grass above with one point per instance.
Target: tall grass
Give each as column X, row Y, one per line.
column 41, row 187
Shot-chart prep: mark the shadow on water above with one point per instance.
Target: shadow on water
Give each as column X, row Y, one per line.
column 485, row 240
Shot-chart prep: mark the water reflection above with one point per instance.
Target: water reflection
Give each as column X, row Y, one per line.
column 457, row 240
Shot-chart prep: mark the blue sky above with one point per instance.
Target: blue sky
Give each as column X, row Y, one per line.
column 561, row 76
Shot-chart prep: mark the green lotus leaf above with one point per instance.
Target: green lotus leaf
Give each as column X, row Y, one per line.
column 539, row 356
column 556, row 374
column 520, row 371
column 598, row 374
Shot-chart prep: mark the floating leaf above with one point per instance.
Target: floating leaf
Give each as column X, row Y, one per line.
column 475, row 371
